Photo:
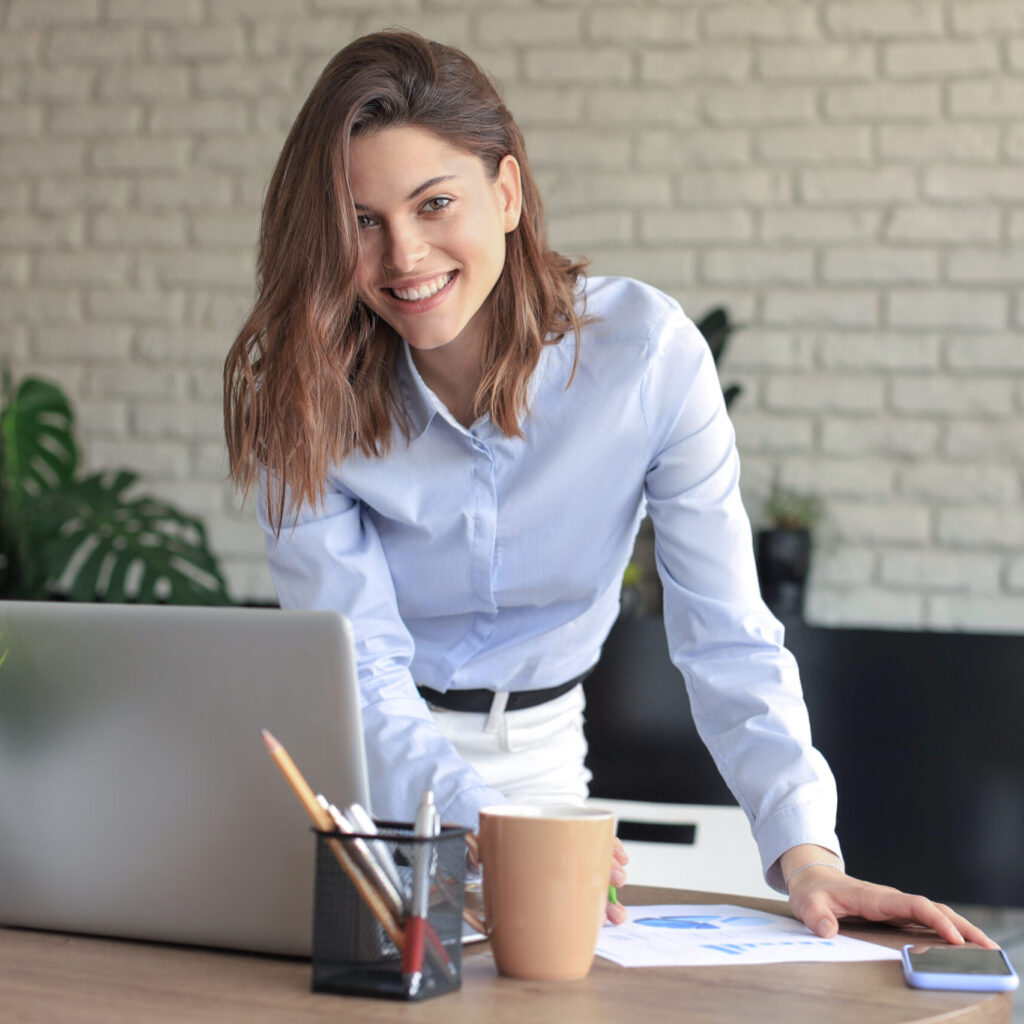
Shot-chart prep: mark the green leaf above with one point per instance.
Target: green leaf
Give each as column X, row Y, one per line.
column 36, row 428
column 716, row 328
column 37, row 454
column 106, row 546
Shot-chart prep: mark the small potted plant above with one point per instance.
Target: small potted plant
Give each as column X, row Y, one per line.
column 784, row 548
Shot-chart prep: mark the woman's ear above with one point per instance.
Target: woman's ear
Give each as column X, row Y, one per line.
column 510, row 191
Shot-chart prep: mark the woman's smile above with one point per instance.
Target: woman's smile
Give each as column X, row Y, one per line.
column 419, row 292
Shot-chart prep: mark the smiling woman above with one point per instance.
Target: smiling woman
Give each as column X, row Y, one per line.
column 310, row 377
column 455, row 435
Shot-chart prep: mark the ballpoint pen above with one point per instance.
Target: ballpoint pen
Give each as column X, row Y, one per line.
column 412, row 962
column 362, row 821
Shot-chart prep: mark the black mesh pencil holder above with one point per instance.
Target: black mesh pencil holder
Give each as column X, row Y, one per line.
column 364, row 943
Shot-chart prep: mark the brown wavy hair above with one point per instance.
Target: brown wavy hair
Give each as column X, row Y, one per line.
column 309, row 379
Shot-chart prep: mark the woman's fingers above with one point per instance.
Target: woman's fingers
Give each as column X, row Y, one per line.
column 920, row 910
column 473, row 849
column 816, row 912
column 820, row 899
column 616, row 913
column 881, row 903
column 971, row 932
column 899, row 908
column 619, row 858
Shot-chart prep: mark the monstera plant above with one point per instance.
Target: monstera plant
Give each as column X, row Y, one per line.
column 87, row 537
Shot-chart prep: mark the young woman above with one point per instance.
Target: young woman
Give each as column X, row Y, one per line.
column 455, row 434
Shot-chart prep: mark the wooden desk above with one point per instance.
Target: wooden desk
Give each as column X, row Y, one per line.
column 50, row 978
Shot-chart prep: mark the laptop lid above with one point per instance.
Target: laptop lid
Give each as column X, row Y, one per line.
column 137, row 798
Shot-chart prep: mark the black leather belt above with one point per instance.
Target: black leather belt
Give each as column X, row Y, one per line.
column 480, row 701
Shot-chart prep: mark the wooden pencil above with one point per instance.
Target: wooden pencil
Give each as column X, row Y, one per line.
column 323, row 821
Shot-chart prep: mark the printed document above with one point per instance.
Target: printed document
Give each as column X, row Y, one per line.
column 697, row 935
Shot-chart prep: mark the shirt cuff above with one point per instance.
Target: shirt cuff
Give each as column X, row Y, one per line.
column 464, row 808
column 791, row 827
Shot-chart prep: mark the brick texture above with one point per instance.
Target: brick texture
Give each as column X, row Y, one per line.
column 844, row 175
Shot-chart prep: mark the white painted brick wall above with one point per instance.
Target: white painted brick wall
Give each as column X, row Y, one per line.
column 847, row 176
column 885, row 19
column 947, row 570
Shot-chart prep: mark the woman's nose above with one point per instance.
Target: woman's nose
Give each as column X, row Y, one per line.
column 406, row 247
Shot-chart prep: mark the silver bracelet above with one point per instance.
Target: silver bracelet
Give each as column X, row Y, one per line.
column 812, row 864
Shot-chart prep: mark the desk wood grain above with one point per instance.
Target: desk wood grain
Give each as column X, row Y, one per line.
column 50, row 978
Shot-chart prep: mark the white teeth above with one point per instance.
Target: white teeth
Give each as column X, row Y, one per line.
column 424, row 291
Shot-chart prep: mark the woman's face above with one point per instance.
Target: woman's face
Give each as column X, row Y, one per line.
column 432, row 225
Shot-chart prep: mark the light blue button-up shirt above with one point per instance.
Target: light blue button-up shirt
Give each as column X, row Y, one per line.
column 467, row 559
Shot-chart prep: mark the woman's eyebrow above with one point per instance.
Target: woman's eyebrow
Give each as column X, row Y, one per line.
column 419, row 190
column 429, row 184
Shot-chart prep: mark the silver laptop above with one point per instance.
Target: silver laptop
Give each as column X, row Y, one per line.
column 137, row 798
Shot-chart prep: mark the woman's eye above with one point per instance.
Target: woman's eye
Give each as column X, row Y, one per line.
column 437, row 204
column 364, row 220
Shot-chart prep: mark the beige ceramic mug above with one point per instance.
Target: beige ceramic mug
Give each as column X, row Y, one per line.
column 546, row 871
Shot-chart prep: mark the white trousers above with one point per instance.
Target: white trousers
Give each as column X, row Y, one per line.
column 531, row 756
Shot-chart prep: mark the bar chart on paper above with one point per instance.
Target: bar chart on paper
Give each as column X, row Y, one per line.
column 694, row 935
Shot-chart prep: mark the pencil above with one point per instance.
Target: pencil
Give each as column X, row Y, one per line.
column 323, row 822
column 320, row 817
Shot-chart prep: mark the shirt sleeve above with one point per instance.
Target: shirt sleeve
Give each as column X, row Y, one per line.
column 744, row 686
column 331, row 558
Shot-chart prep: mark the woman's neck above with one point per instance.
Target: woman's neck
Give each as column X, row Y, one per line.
column 453, row 372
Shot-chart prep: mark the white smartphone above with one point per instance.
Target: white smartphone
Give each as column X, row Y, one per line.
column 958, row 967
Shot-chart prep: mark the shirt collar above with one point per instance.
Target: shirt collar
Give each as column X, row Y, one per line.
column 420, row 402
column 422, row 405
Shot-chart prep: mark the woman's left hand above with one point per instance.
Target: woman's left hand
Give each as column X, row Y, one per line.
column 820, row 896
column 616, row 912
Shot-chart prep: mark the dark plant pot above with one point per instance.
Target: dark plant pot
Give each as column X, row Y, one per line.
column 784, row 560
